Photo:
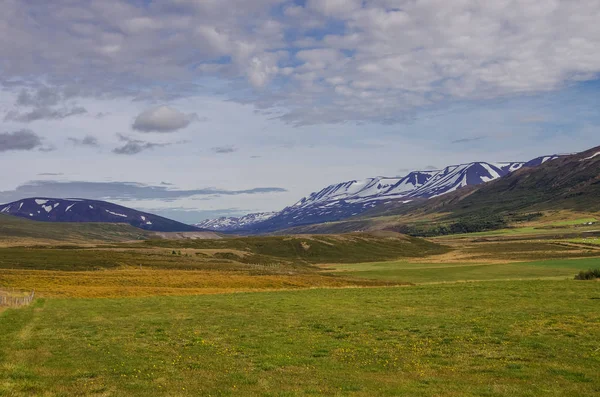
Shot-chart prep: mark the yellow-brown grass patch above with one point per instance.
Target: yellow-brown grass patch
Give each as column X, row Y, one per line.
column 130, row 282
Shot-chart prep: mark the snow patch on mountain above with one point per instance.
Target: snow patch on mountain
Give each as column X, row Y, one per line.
column 80, row 210
column 116, row 214
column 224, row 224
column 591, row 157
column 351, row 198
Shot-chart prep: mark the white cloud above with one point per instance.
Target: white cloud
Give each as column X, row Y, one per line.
column 162, row 119
column 402, row 56
column 395, row 56
column 334, row 8
column 396, row 80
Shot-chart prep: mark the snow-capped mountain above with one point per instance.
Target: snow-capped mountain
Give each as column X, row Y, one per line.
column 347, row 199
column 233, row 223
column 82, row 210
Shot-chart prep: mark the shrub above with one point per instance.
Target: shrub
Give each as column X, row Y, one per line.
column 591, row 274
column 525, row 217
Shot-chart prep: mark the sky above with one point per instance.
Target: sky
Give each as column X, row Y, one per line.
column 194, row 109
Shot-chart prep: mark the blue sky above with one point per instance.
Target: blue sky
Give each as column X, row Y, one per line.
column 242, row 106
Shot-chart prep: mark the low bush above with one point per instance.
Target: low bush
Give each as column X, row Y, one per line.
column 591, row 274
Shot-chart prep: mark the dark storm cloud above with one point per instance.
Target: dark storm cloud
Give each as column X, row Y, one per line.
column 20, row 140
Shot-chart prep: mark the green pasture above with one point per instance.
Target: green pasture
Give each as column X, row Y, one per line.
column 509, row 338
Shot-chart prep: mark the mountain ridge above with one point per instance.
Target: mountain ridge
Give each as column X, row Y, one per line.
column 351, row 198
column 571, row 183
column 46, row 209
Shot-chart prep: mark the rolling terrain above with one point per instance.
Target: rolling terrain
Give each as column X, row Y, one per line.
column 495, row 313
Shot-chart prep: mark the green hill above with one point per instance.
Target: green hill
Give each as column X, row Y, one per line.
column 15, row 229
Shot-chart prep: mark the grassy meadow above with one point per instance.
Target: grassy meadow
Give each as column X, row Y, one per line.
column 509, row 338
column 456, row 272
column 498, row 314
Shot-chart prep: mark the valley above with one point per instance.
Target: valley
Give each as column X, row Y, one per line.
column 428, row 298
column 289, row 198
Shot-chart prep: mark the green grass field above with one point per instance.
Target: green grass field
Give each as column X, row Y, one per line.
column 554, row 229
column 452, row 272
column 499, row 232
column 574, row 222
column 526, row 338
column 588, row 240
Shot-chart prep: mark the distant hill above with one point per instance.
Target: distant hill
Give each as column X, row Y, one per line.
column 82, row 210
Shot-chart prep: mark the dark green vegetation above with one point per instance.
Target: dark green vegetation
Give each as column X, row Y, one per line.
column 526, row 338
column 591, row 274
column 471, row 224
column 350, row 248
column 73, row 258
column 224, row 254
column 14, row 228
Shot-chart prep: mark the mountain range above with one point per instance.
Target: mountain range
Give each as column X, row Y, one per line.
column 569, row 182
column 472, row 192
column 84, row 210
column 352, row 198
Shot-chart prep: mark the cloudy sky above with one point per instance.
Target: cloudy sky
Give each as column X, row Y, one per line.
column 199, row 108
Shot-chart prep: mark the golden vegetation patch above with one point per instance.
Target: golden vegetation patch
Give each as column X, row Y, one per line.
column 136, row 282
